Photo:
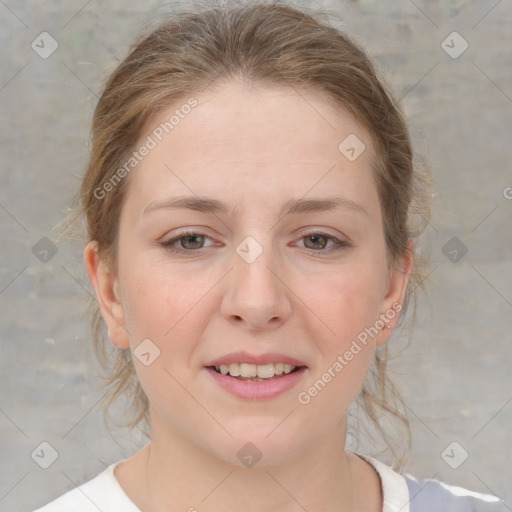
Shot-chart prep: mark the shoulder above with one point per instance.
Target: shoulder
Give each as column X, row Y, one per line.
column 409, row 494
column 431, row 494
column 103, row 492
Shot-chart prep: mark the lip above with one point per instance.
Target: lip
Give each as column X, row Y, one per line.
column 245, row 357
column 251, row 390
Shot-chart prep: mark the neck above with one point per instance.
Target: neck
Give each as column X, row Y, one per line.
column 181, row 476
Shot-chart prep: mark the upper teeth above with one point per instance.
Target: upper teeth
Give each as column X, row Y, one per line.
column 264, row 371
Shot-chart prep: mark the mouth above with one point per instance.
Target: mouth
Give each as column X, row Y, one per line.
column 251, row 377
column 256, row 372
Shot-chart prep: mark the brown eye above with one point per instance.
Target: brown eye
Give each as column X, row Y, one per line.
column 319, row 241
column 191, row 241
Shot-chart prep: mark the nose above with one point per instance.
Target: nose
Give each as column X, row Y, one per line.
column 256, row 295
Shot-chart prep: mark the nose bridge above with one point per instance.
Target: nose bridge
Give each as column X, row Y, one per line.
column 256, row 294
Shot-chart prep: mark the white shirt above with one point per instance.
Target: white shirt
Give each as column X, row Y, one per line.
column 401, row 493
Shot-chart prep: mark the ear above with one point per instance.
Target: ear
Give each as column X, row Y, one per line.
column 397, row 286
column 105, row 284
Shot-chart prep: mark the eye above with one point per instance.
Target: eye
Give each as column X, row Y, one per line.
column 317, row 241
column 191, row 241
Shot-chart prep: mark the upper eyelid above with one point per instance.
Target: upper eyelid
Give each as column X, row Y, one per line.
column 201, row 230
column 305, row 232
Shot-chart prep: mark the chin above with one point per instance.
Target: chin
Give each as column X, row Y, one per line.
column 260, row 445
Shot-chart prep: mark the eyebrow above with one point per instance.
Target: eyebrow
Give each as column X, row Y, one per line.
column 293, row 206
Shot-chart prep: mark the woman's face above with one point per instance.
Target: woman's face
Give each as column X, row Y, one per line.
column 286, row 266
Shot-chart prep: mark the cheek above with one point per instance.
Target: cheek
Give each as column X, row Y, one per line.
column 165, row 318
column 168, row 306
column 151, row 293
column 349, row 308
column 347, row 347
column 348, row 301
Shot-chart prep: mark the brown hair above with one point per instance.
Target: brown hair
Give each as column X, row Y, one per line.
column 263, row 43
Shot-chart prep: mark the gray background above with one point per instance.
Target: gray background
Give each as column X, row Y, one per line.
column 455, row 372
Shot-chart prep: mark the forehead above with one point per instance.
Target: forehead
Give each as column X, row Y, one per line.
column 289, row 121
column 263, row 140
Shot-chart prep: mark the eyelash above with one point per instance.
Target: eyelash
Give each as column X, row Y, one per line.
column 338, row 244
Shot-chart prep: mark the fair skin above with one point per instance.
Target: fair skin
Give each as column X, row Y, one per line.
column 255, row 148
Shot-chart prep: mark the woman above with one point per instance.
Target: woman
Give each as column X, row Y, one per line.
column 251, row 245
